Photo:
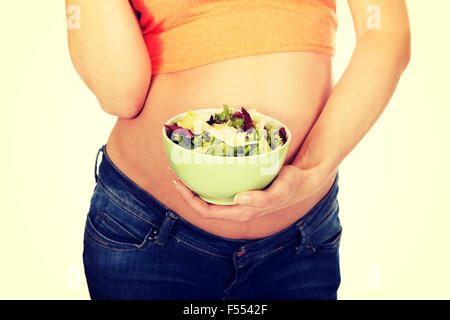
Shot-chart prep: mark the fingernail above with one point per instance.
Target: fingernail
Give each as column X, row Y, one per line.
column 242, row 198
column 176, row 185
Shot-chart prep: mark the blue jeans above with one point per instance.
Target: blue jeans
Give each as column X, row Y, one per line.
column 136, row 248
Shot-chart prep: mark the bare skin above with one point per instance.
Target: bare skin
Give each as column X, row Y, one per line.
column 326, row 121
column 292, row 87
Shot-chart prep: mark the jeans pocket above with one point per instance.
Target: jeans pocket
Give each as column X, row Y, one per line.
column 110, row 226
column 326, row 236
column 331, row 244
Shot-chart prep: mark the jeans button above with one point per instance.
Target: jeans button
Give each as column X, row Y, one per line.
column 241, row 253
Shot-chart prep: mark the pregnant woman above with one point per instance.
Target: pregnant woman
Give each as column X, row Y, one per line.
column 147, row 235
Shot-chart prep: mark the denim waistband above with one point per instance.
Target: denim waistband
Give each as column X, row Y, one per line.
column 144, row 206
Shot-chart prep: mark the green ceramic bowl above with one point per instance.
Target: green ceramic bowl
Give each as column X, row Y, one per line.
column 217, row 179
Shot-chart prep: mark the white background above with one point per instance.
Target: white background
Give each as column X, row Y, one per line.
column 393, row 187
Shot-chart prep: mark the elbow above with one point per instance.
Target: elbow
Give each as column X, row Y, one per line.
column 401, row 37
column 393, row 45
column 399, row 48
column 122, row 104
column 122, row 93
column 121, row 109
column 126, row 98
column 405, row 49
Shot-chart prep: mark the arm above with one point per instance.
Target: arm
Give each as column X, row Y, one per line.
column 365, row 88
column 109, row 53
column 357, row 101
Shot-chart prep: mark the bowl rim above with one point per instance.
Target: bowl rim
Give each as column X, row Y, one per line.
column 286, row 144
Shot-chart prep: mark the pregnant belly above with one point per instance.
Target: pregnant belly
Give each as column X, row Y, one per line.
column 289, row 86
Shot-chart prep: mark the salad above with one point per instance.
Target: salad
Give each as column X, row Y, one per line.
column 226, row 133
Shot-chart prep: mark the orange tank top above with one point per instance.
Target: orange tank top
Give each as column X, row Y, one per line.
column 183, row 34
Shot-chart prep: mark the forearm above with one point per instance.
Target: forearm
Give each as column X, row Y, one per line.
column 356, row 102
column 109, row 53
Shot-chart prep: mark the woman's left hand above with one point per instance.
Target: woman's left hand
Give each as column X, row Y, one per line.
column 292, row 185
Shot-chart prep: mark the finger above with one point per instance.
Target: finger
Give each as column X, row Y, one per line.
column 277, row 192
column 190, row 197
column 237, row 213
column 171, row 173
column 206, row 210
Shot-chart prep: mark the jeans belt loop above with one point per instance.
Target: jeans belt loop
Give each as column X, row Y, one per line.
column 166, row 227
column 96, row 161
column 303, row 237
